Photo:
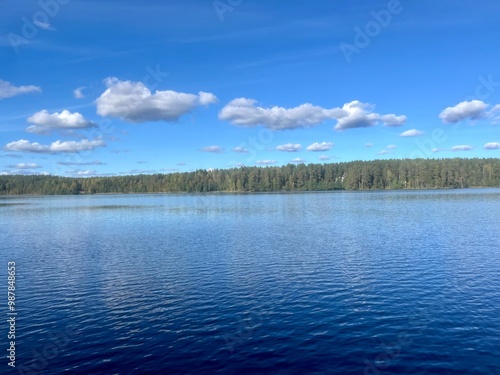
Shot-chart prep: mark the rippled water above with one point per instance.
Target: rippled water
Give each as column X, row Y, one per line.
column 342, row 283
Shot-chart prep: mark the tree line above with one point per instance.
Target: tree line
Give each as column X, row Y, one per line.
column 354, row 175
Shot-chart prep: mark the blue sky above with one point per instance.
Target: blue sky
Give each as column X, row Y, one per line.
column 92, row 88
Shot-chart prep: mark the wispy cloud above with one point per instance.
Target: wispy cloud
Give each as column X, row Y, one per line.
column 462, row 148
column 24, row 166
column 81, row 163
column 56, row 147
column 78, row 93
column 265, row 162
column 43, row 25
column 7, row 90
column 213, row 149
column 241, row 150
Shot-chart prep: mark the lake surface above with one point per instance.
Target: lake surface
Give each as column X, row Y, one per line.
column 404, row 282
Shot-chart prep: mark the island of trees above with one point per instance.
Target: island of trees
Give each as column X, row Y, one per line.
column 354, row 175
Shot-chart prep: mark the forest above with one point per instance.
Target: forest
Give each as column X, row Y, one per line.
column 354, row 175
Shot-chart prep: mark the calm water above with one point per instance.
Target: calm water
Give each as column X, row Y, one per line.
column 339, row 283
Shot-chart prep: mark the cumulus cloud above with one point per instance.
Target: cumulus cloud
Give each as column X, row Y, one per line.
column 43, row 122
column 492, row 146
column 298, row 160
column 55, row 147
column 24, row 166
column 390, row 147
column 461, row 148
column 324, row 157
column 473, row 110
column 383, row 152
column 361, row 115
column 7, row 90
column 289, row 147
column 368, row 145
column 411, row 133
column 242, row 150
column 134, row 102
column 323, row 146
column 265, row 162
column 245, row 112
column 214, row 149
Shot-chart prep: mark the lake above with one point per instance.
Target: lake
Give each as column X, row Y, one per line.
column 382, row 282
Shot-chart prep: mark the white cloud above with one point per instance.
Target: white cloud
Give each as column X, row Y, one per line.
column 7, row 90
column 390, row 147
column 436, row 150
column 289, row 147
column 324, row 157
column 24, row 166
column 55, row 147
column 134, row 102
column 265, row 162
column 323, row 146
column 43, row 25
column 411, row 133
column 242, row 150
column 492, row 146
column 214, row 149
column 85, row 173
column 45, row 122
column 24, row 172
column 95, row 162
column 383, row 152
column 361, row 115
column 244, row 112
column 461, row 148
column 298, row 160
column 368, row 145
column 78, row 93
column 474, row 109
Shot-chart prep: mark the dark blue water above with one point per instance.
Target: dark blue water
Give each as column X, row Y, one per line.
column 340, row 283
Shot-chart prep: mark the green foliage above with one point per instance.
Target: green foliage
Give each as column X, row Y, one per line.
column 355, row 175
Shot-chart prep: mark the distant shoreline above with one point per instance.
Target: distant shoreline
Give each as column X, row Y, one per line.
column 384, row 175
